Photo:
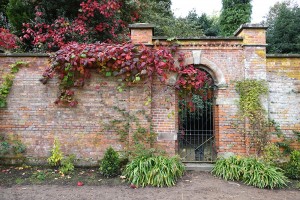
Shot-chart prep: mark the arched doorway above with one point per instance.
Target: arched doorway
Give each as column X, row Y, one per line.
column 196, row 135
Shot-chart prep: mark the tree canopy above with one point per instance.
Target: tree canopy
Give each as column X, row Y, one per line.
column 283, row 34
column 234, row 13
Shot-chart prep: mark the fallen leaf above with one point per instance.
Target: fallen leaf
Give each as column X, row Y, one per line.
column 79, row 183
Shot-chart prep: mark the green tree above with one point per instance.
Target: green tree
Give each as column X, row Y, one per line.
column 159, row 13
column 208, row 25
column 234, row 13
column 18, row 12
column 3, row 4
column 283, row 34
column 3, row 17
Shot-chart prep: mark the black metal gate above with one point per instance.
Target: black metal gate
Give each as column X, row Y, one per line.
column 196, row 140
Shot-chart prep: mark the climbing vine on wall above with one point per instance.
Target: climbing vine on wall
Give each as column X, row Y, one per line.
column 73, row 63
column 8, row 82
column 251, row 110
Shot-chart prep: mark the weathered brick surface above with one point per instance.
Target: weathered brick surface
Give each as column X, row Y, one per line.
column 33, row 117
column 284, row 86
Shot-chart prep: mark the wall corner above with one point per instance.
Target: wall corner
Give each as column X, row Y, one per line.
column 252, row 34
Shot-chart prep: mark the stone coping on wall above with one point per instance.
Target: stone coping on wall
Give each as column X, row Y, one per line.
column 141, row 26
column 200, row 38
column 47, row 55
column 249, row 26
column 283, row 55
column 24, row 55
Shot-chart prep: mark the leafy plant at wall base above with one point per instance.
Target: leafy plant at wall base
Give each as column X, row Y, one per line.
column 292, row 168
column 110, row 164
column 39, row 175
column 67, row 164
column 271, row 154
column 56, row 154
column 156, row 171
column 4, row 148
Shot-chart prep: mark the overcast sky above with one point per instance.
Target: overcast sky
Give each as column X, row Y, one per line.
column 260, row 8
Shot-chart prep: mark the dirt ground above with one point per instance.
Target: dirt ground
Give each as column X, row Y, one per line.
column 194, row 185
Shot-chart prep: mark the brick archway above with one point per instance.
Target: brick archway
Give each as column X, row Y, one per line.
column 209, row 66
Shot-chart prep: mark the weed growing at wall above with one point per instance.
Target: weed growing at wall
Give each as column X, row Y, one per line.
column 57, row 159
column 11, row 146
column 8, row 81
column 67, row 165
column 257, row 127
column 56, row 154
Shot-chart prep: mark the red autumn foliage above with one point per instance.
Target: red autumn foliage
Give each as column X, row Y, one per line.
column 96, row 20
column 130, row 63
column 7, row 39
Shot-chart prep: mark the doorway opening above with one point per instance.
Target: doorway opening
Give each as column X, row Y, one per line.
column 196, row 135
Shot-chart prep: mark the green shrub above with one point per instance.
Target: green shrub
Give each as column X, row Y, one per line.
column 271, row 154
column 110, row 164
column 67, row 164
column 292, row 168
column 251, row 171
column 228, row 169
column 56, row 154
column 157, row 171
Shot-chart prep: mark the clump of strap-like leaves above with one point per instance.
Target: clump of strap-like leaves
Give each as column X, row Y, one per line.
column 129, row 63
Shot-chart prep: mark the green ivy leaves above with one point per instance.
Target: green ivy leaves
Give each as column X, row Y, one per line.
column 8, row 82
column 250, row 91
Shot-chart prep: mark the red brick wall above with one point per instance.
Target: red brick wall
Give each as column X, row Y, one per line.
column 36, row 120
column 32, row 115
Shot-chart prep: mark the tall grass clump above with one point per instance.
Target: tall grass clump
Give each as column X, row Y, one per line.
column 156, row 171
column 250, row 171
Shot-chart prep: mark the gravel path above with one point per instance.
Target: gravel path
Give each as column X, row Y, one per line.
column 196, row 185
